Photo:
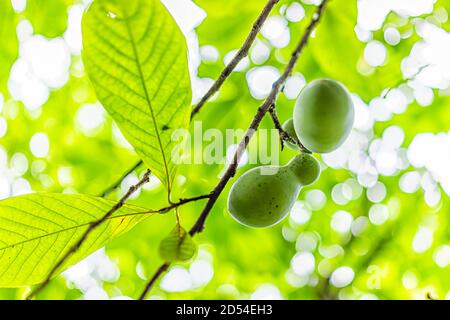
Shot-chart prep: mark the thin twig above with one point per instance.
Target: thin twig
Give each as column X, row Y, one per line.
column 261, row 112
column 284, row 136
column 163, row 268
column 119, row 181
column 241, row 54
column 88, row 231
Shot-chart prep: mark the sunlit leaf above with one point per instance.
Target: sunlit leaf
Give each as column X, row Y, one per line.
column 177, row 246
column 136, row 57
column 37, row 229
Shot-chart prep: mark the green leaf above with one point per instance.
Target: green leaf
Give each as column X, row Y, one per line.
column 37, row 229
column 177, row 246
column 136, row 57
column 48, row 17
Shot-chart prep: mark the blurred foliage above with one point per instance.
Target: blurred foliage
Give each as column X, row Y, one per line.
column 8, row 52
column 243, row 259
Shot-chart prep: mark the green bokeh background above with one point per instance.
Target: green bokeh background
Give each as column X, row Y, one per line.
column 243, row 259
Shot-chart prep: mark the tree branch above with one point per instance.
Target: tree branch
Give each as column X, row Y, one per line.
column 284, row 136
column 242, row 53
column 214, row 88
column 412, row 77
column 261, row 112
column 95, row 224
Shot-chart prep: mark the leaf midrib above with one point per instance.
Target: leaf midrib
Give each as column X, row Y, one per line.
column 147, row 98
column 75, row 227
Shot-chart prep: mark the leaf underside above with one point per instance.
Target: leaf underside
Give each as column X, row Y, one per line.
column 136, row 58
column 177, row 246
column 37, row 229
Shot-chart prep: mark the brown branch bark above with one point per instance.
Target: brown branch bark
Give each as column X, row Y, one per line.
column 261, row 112
column 284, row 136
column 95, row 224
column 119, row 181
column 179, row 204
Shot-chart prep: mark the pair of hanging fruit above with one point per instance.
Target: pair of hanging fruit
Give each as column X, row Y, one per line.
column 322, row 120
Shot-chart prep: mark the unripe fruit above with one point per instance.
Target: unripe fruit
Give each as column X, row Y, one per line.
column 288, row 127
column 323, row 115
column 263, row 196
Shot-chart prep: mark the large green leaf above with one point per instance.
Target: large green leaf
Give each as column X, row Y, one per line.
column 37, row 229
column 136, row 57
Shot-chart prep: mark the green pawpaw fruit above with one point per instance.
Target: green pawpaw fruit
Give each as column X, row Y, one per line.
column 323, row 115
